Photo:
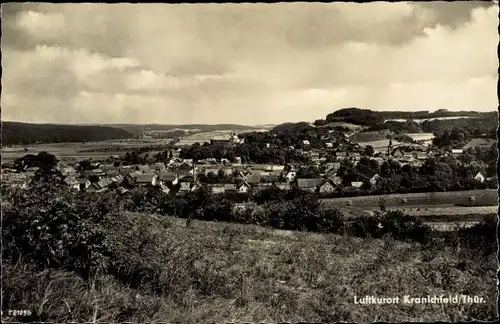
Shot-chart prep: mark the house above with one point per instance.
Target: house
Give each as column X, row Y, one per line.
column 213, row 170
column 78, row 183
column 67, row 170
column 146, row 179
column 420, row 156
column 107, row 167
column 126, row 169
column 143, row 168
column 254, row 178
column 122, row 190
column 329, row 145
column 356, row 156
column 185, row 166
column 159, row 167
column 336, row 180
column 374, row 179
column 341, row 155
column 97, row 172
column 306, row 142
column 290, row 176
column 101, row 185
column 479, row 177
column 234, row 139
column 112, row 172
column 168, row 178
column 259, row 167
column 117, row 179
column 227, row 171
column 456, row 152
column 268, row 177
column 357, row 184
column 481, row 142
column 230, row 187
column 216, row 189
column 189, row 186
column 326, row 187
column 332, row 167
column 243, row 187
column 309, row 184
column 398, row 153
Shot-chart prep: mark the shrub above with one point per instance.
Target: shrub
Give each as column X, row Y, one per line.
column 54, row 227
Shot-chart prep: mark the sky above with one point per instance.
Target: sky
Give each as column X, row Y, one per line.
column 249, row 64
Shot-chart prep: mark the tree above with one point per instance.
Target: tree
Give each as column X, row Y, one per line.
column 369, row 150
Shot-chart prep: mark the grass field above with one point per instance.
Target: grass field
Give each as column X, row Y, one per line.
column 487, row 197
column 76, row 151
column 222, row 273
column 214, row 135
column 380, row 144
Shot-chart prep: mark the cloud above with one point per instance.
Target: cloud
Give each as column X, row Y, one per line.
column 249, row 64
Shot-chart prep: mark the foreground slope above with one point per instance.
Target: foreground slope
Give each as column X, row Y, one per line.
column 220, row 272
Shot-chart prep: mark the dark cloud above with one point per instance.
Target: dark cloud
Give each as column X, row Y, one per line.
column 246, row 63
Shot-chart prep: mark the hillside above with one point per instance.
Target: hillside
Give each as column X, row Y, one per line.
column 16, row 133
column 219, row 272
column 369, row 117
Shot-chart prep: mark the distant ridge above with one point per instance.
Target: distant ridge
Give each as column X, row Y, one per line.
column 18, row 133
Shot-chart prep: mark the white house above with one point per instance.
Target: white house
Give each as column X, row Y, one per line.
column 479, row 177
column 374, row 179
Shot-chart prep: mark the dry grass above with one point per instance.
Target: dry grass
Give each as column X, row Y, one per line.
column 218, row 272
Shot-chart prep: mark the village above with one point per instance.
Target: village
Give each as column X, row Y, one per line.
column 180, row 176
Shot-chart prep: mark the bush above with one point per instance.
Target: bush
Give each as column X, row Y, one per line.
column 54, row 227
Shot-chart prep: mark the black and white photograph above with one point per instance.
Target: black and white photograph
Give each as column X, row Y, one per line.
column 249, row 162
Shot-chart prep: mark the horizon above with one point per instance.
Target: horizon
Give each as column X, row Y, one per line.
column 244, row 64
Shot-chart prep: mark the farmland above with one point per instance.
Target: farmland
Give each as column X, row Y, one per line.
column 79, row 150
column 421, row 120
column 380, row 144
column 487, row 197
column 434, row 207
column 205, row 137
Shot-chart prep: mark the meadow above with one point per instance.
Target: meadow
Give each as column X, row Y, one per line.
column 205, row 137
column 78, row 150
column 486, row 197
column 172, row 271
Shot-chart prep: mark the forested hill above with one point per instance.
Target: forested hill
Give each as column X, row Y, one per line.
column 16, row 133
column 368, row 117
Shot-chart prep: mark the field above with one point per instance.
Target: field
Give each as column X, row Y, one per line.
column 214, row 135
column 350, row 126
column 372, row 136
column 487, row 197
column 429, row 119
column 224, row 273
column 437, row 209
column 379, row 145
column 77, row 151
column 421, row 136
